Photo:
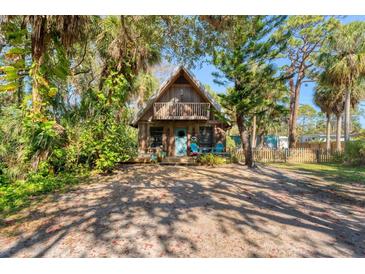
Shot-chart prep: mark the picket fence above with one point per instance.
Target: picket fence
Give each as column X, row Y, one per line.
column 295, row 155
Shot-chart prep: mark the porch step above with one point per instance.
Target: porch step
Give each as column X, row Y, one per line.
column 184, row 160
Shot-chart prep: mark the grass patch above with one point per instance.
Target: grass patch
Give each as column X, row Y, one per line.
column 19, row 194
column 329, row 171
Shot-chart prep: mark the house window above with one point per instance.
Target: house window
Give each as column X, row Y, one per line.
column 156, row 136
column 206, row 136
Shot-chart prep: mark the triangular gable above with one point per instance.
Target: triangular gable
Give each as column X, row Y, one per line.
column 171, row 80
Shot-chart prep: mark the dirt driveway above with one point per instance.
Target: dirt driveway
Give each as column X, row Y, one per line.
column 178, row 211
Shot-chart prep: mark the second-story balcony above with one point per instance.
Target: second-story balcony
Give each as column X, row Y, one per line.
column 181, row 111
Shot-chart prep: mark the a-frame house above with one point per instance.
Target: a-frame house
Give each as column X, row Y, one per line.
column 179, row 113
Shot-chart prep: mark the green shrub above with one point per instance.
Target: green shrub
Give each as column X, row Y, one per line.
column 13, row 163
column 355, row 153
column 234, row 159
column 338, row 157
column 230, row 144
column 119, row 145
column 211, row 159
column 100, row 144
column 15, row 195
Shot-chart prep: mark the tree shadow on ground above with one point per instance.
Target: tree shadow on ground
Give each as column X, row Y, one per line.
column 142, row 211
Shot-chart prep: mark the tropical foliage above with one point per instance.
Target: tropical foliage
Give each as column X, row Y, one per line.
column 70, row 85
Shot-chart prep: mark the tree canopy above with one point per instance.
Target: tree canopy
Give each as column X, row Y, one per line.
column 69, row 85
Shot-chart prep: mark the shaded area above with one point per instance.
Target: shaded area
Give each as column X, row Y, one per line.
column 176, row 211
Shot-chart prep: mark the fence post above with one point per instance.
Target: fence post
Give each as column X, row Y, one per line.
column 285, row 151
column 274, row 156
column 317, row 156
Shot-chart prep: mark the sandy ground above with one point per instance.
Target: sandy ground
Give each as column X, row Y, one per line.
column 179, row 211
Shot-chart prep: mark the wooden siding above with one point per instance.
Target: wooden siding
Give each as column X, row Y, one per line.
column 181, row 93
column 142, row 137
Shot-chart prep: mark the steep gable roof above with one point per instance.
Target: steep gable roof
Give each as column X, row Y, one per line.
column 171, row 80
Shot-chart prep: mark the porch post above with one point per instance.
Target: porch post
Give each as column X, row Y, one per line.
column 188, row 136
column 171, row 140
column 164, row 139
column 197, row 132
column 148, row 135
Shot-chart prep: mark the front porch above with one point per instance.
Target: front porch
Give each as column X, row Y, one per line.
column 180, row 138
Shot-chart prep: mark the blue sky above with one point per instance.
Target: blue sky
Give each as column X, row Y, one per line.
column 204, row 74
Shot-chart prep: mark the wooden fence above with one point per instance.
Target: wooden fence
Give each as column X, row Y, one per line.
column 319, row 145
column 296, row 155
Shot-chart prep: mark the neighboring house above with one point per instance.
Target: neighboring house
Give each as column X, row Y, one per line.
column 180, row 113
column 283, row 142
column 318, row 138
column 276, row 142
column 270, row 141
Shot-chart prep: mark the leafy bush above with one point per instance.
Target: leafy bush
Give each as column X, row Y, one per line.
column 338, row 157
column 234, row 159
column 119, row 145
column 230, row 144
column 355, row 153
column 17, row 194
column 101, row 145
column 4, row 180
column 12, row 147
column 211, row 159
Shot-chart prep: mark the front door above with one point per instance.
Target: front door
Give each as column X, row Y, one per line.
column 181, row 142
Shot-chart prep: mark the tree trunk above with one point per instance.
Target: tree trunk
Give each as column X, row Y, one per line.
column 253, row 136
column 328, row 132
column 19, row 92
column 294, row 108
column 38, row 60
column 245, row 140
column 36, row 98
column 261, row 140
column 338, row 132
column 347, row 115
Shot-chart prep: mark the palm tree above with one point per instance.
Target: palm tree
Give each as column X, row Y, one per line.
column 332, row 100
column 337, row 109
column 47, row 32
column 50, row 31
column 129, row 45
column 347, row 62
column 323, row 98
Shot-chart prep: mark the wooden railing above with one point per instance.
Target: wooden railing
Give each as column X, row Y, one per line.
column 181, row 111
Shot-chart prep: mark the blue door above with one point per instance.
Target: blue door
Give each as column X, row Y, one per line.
column 181, row 142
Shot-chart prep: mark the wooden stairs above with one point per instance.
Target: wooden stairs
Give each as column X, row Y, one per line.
column 181, row 160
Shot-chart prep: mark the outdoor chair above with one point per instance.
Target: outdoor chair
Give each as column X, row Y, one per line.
column 194, row 149
column 219, row 148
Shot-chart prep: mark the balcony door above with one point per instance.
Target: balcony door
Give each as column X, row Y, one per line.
column 181, row 142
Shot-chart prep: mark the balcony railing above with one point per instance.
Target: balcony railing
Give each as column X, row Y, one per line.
column 181, row 111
